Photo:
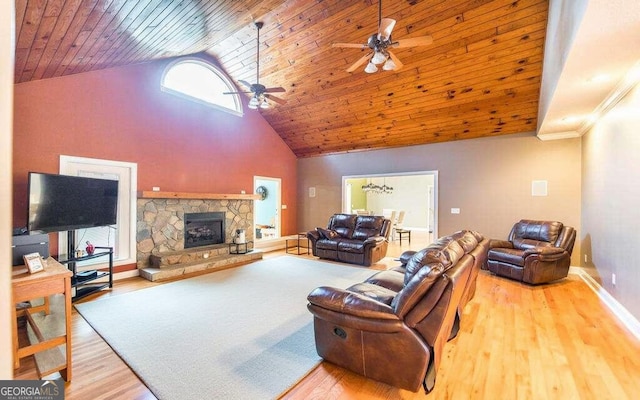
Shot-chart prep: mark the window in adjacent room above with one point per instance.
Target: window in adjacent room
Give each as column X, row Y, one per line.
column 200, row 81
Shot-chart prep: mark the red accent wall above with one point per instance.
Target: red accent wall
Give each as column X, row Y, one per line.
column 121, row 114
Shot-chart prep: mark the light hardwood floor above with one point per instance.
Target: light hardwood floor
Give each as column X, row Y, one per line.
column 555, row 341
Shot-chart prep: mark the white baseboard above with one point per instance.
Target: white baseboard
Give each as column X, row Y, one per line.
column 126, row 274
column 627, row 319
column 270, row 244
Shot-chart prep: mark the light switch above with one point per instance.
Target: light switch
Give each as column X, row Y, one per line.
column 455, row 211
column 284, row 206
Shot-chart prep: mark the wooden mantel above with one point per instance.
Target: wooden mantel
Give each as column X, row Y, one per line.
column 145, row 194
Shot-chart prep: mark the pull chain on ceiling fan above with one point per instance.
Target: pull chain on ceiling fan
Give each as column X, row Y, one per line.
column 260, row 92
column 380, row 43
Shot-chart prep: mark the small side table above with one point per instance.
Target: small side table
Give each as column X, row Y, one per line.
column 295, row 243
column 55, row 278
column 404, row 232
column 240, row 248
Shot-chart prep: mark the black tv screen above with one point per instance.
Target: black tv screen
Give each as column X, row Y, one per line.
column 64, row 203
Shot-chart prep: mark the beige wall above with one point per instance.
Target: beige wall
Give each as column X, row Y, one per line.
column 6, row 133
column 488, row 179
column 610, row 194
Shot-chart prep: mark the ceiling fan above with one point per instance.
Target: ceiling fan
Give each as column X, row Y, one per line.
column 380, row 43
column 260, row 92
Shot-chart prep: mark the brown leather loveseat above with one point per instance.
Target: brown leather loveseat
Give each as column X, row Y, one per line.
column 535, row 252
column 351, row 238
column 393, row 326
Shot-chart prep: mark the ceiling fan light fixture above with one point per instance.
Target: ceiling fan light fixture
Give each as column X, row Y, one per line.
column 371, row 68
column 254, row 103
column 378, row 57
column 389, row 65
column 264, row 104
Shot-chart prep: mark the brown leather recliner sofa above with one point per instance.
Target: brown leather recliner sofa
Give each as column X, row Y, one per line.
column 393, row 326
column 535, row 252
column 351, row 238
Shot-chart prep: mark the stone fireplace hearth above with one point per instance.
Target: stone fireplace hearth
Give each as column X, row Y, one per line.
column 161, row 227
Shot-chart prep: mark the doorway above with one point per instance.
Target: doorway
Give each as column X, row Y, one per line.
column 266, row 210
column 415, row 193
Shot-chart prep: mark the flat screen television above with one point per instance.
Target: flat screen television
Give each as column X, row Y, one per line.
column 65, row 203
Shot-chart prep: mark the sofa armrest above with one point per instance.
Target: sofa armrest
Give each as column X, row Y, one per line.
column 313, row 236
column 406, row 256
column 504, row 244
column 374, row 241
column 351, row 303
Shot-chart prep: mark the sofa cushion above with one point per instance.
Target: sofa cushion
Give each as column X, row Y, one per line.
column 327, row 233
column 344, row 224
column 466, row 239
column 328, row 244
column 367, row 226
column 544, row 231
column 509, row 256
column 373, row 291
column 416, row 287
column 524, row 244
column 351, row 246
column 390, row 279
column 445, row 250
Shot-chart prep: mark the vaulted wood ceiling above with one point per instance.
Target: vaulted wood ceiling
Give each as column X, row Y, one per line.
column 480, row 77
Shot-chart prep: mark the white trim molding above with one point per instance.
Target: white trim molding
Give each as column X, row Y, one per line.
column 627, row 319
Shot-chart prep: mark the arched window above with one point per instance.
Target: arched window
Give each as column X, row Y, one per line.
column 202, row 82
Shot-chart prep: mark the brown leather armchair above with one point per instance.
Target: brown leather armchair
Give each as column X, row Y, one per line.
column 393, row 326
column 535, row 252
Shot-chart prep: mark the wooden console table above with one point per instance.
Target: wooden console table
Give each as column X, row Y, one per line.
column 54, row 279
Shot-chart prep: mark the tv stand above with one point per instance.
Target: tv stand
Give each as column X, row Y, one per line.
column 83, row 285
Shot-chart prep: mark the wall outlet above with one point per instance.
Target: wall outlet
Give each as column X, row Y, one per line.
column 613, row 279
column 284, row 206
column 156, row 188
column 243, row 192
column 455, row 211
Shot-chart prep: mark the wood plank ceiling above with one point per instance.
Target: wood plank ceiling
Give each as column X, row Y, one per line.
column 480, row 77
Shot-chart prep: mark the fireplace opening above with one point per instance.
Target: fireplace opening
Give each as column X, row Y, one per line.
column 203, row 229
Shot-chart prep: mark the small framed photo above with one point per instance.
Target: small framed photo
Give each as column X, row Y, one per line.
column 34, row 262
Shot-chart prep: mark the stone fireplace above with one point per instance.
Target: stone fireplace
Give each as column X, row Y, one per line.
column 203, row 229
column 163, row 224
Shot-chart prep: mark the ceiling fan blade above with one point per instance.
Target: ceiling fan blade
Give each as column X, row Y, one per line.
column 275, row 90
column 358, row 63
column 395, row 60
column 245, row 83
column 386, row 26
column 350, row 45
column 413, row 42
column 275, row 99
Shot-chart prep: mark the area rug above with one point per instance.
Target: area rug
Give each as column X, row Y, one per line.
column 241, row 333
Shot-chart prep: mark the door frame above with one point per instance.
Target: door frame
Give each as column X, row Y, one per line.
column 278, row 194
column 432, row 196
column 126, row 202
